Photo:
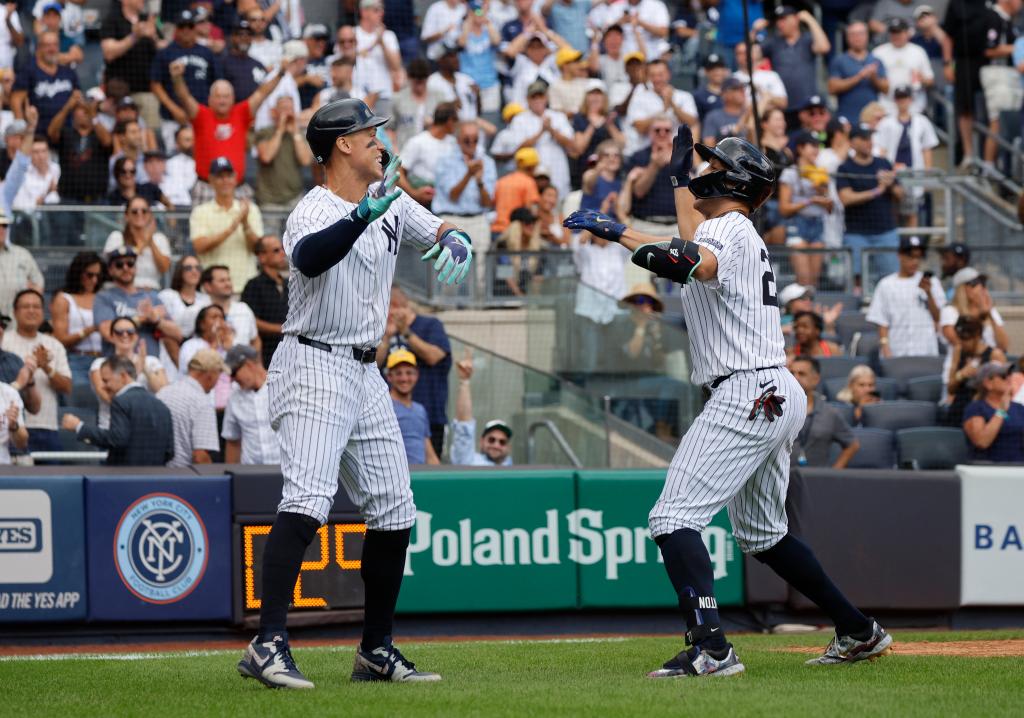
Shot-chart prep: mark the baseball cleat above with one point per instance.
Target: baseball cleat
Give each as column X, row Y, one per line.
column 387, row 663
column 847, row 649
column 700, row 662
column 271, row 663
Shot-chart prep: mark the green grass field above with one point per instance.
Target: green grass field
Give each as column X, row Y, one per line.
column 600, row 677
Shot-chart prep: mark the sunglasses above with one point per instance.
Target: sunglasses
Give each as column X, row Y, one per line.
column 91, row 275
column 642, row 302
column 979, row 282
column 662, row 130
column 469, row 140
column 122, row 263
column 127, row 171
column 139, row 210
column 191, row 268
column 496, row 440
column 123, row 332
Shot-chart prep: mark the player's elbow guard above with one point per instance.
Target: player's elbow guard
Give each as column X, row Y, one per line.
column 676, row 260
column 315, row 253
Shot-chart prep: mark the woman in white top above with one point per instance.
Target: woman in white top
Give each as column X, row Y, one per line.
column 149, row 372
column 212, row 332
column 151, row 247
column 71, row 315
column 971, row 298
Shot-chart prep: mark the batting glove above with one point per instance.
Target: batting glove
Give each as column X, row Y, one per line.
column 682, row 157
column 599, row 225
column 454, row 254
column 374, row 206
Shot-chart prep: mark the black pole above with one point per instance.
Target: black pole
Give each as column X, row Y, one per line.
column 750, row 74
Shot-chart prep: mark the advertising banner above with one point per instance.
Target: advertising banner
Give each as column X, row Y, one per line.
column 619, row 564
column 992, row 535
column 42, row 549
column 159, row 547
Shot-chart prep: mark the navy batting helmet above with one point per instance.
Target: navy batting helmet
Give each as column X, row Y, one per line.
column 341, row 117
column 748, row 175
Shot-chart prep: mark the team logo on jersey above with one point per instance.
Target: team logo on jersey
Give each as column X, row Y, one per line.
column 391, row 232
column 160, row 548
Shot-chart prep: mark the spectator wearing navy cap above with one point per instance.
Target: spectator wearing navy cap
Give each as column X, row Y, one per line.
column 955, row 257
column 317, row 74
column 813, row 118
column 727, row 119
column 244, row 72
column 792, row 53
column 43, row 82
column 709, row 95
column 856, row 76
column 50, row 21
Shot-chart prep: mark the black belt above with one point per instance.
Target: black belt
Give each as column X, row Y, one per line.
column 715, row 383
column 461, row 214
column 366, row 356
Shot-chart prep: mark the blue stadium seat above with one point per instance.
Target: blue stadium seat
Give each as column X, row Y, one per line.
column 851, row 302
column 925, row 388
column 906, row 368
column 845, row 410
column 865, row 344
column 888, row 389
column 850, row 322
column 932, row 447
column 896, row 415
column 832, row 367
column 68, row 440
column 876, row 449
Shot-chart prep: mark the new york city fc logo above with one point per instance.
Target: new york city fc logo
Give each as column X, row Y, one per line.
column 160, row 548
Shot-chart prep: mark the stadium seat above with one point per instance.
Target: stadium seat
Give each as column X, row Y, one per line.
column 896, row 415
column 850, row 322
column 851, row 302
column 888, row 389
column 83, row 396
column 876, row 449
column 865, row 344
column 833, row 367
column 925, row 388
column 931, row 447
column 845, row 410
column 906, row 368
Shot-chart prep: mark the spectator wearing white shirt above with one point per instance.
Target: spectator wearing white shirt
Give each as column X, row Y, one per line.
column 652, row 18
column 971, row 298
column 531, row 60
column 342, row 86
column 906, row 138
column 294, row 57
column 567, row 92
column 219, row 290
column 12, row 423
column 496, row 438
column 450, row 85
column 906, row 65
column 267, row 38
column 40, row 184
column 771, row 90
column 180, row 176
column 378, row 56
column 441, row 25
column 657, row 98
column 152, row 249
column 246, row 432
column 549, row 132
column 907, row 305
column 149, row 372
column 12, row 36
column 422, row 153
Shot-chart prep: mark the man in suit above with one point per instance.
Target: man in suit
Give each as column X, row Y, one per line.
column 140, row 433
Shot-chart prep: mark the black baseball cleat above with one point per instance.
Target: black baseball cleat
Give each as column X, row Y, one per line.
column 387, row 663
column 271, row 663
column 697, row 662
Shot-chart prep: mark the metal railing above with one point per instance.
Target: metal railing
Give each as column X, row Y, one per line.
column 552, row 428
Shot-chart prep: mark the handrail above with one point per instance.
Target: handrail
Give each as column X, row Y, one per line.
column 963, row 189
column 69, row 457
column 556, row 434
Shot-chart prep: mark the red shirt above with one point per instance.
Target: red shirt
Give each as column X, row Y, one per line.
column 221, row 138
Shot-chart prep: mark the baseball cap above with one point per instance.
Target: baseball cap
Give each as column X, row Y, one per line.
column 294, row 50
column 922, row 10
column 991, row 369
column 714, row 60
column 206, row 360
column 862, row 131
column 400, row 356
column 17, row 127
column 53, row 7
column 595, row 85
column 903, row 91
column 242, row 26
column 370, row 3
column 5, row 220
column 126, row 101
column 814, row 101
column 537, row 87
column 496, row 424
column 959, row 249
column 912, row 242
column 522, row 214
column 154, row 155
column 539, row 37
column 792, row 292
column 542, row 171
column 527, row 157
column 966, row 275
column 511, row 110
column 239, row 355
column 565, row 55
column 634, row 57
column 316, row 30
column 897, row 24
column 733, row 84
column 784, row 10
column 221, row 164
column 185, row 17
column 803, row 137
column 120, row 253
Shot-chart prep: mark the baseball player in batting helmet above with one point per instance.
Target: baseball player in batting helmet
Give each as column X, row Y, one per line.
column 328, row 404
column 736, row 453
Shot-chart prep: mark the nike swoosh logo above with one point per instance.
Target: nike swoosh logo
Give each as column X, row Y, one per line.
column 762, row 386
column 650, row 256
column 262, row 661
column 715, row 630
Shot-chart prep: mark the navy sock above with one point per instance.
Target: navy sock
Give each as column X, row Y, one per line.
column 383, row 564
column 794, row 561
column 689, row 568
column 282, row 558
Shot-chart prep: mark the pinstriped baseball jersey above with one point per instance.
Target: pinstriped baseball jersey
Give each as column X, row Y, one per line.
column 733, row 320
column 348, row 304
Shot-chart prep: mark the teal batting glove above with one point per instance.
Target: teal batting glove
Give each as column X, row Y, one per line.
column 454, row 254
column 374, row 206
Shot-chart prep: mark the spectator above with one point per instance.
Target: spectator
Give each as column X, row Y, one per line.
column 130, row 143
column 645, row 23
column 496, row 437
column 266, row 294
column 422, row 152
column 12, row 37
column 531, row 60
column 968, row 353
column 521, row 235
column 140, row 429
column 549, row 132
column 885, row 11
column 608, row 61
column 427, row 339
column 867, row 188
column 218, row 288
column 402, row 375
column 805, row 200
column 83, row 149
column 566, row 93
column 907, row 138
column 41, row 178
column 602, row 182
column 728, row 118
column 18, row 269
column 791, row 51
column 994, row 424
column 807, row 330
column 824, row 424
column 775, row 145
column 906, row 65
column 12, row 143
column 128, row 38
column 795, row 299
column 1000, row 80
column 50, row 20
column 294, row 59
column 569, row 19
column 450, row 85
column 658, row 99
column 341, row 85
column 125, row 110
column 872, row 114
column 813, row 118
column 72, row 316
column 19, row 372
column 441, row 24
column 971, row 298
column 934, row 41
column 242, row 71
column 479, row 41
column 282, row 153
column 515, row 190
column 503, row 146
column 152, row 248
column 127, row 187
column 410, row 106
column 192, row 412
column 12, row 421
column 180, row 177
column 708, row 96
column 906, row 306
column 52, row 375
column 954, row 257
column 317, row 74
column 211, row 332
column 771, row 90
column 121, row 298
column 149, row 372
column 379, row 60
column 247, row 434
column 43, row 82
column 267, row 38
column 549, row 219
column 525, row 22
column 856, row 76
column 154, row 162
column 594, row 124
column 184, row 290
column 970, row 40
column 861, row 389
column 224, row 230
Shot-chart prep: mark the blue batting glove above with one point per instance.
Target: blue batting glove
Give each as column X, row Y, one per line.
column 374, row 205
column 600, row 225
column 454, row 254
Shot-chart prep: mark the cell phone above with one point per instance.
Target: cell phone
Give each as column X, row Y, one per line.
column 928, row 274
column 143, row 16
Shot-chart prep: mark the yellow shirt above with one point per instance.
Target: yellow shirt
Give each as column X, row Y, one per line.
column 210, row 219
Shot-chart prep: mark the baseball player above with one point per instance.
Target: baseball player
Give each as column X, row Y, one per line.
column 328, row 403
column 737, row 451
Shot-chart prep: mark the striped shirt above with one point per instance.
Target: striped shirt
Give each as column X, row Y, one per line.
column 193, row 418
column 733, row 320
column 348, row 304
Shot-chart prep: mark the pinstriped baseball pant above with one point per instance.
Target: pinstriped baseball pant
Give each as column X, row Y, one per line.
column 334, row 419
column 726, row 459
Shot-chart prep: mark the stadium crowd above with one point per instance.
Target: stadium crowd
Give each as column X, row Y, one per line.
column 507, row 115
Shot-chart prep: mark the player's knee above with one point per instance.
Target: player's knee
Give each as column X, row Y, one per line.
column 756, row 546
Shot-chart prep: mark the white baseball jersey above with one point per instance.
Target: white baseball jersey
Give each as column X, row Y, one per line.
column 900, row 304
column 733, row 320
column 348, row 304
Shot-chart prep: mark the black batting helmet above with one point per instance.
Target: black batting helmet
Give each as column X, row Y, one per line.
column 341, row 117
column 748, row 175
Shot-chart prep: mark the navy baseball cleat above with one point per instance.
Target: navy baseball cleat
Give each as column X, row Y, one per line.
column 701, row 662
column 847, row 649
column 271, row 663
column 387, row 663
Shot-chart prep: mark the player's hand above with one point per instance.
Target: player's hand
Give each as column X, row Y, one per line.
column 682, row 157
column 454, row 253
column 600, row 225
column 374, row 207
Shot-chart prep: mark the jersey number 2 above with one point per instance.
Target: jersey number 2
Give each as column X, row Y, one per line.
column 768, row 283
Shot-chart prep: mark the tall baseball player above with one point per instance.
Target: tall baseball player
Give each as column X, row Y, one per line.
column 736, row 453
column 328, row 403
